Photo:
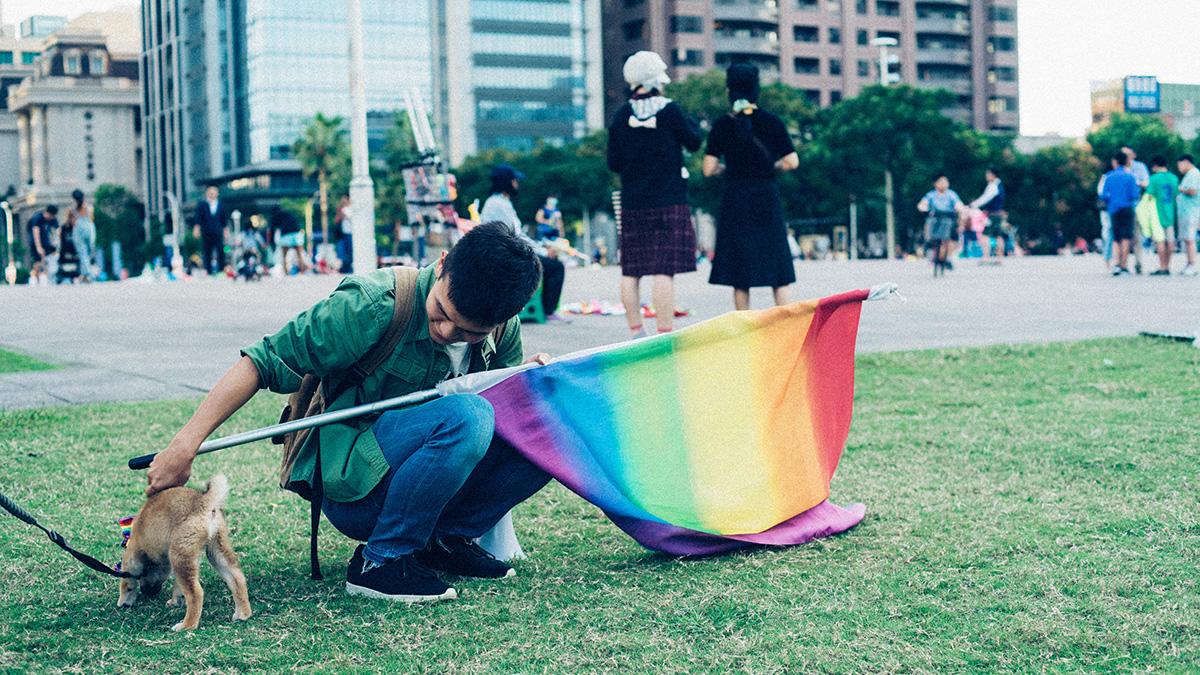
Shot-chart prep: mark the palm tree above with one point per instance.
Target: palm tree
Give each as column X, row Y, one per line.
column 320, row 149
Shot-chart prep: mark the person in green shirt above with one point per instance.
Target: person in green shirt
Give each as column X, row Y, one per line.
column 420, row 484
column 1164, row 186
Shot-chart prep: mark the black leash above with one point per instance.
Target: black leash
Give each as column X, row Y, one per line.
column 22, row 514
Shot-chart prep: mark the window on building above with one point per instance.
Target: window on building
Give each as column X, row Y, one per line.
column 805, row 34
column 864, row 68
column 633, row 3
column 895, row 35
column 28, row 58
column 835, row 66
column 834, row 6
column 634, row 30
column 1001, row 44
column 1002, row 14
column 999, row 104
column 687, row 24
column 72, row 64
column 687, row 57
column 97, row 63
column 835, row 97
column 861, row 37
column 926, row 41
column 6, row 58
column 1002, row 74
column 807, row 66
column 835, row 36
column 812, row 97
column 860, row 7
column 887, row 8
column 806, row 5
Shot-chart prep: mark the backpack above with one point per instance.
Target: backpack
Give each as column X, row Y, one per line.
column 310, row 400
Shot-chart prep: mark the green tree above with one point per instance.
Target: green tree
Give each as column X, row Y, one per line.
column 119, row 217
column 1148, row 135
column 897, row 129
column 322, row 149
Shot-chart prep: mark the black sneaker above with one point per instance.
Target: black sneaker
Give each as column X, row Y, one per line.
column 402, row 579
column 462, row 556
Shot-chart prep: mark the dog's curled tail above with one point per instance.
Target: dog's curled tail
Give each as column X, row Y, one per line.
column 216, row 492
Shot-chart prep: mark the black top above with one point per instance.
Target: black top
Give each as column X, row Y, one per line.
column 211, row 223
column 733, row 137
column 284, row 221
column 650, row 160
column 44, row 225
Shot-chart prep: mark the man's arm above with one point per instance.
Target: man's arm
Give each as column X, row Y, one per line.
column 173, row 466
column 36, row 234
column 989, row 193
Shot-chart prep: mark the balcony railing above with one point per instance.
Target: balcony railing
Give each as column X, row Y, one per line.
column 745, row 45
column 746, row 12
column 957, row 86
column 960, row 57
column 945, row 26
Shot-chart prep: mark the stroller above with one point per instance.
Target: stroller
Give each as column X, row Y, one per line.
column 68, row 256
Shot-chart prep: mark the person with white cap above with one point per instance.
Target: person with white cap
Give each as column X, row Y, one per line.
column 644, row 146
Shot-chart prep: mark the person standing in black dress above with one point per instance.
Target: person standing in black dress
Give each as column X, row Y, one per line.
column 752, row 246
column 644, row 146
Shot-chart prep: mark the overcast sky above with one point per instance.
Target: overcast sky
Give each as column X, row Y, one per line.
column 1064, row 45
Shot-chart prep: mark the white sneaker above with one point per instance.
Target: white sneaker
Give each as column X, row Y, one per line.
column 1189, row 271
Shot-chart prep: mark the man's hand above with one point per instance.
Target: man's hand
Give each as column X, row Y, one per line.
column 539, row 358
column 171, row 467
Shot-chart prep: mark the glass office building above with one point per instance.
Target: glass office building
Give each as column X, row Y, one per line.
column 296, row 65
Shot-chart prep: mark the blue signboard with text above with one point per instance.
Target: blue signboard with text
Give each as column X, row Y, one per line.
column 1141, row 94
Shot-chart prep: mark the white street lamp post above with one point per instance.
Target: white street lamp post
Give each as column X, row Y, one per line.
column 10, row 272
column 889, row 191
column 362, row 190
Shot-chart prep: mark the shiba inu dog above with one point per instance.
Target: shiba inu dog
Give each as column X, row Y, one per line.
column 169, row 534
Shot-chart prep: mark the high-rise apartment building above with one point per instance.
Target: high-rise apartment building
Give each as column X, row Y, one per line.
column 823, row 47
column 230, row 84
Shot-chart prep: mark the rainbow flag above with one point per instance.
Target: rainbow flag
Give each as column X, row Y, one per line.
column 722, row 434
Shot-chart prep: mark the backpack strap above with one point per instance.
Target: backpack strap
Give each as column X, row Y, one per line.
column 406, row 290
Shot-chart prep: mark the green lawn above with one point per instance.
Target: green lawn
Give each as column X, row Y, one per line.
column 1029, row 509
column 13, row 363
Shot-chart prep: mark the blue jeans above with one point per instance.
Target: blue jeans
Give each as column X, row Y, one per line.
column 448, row 474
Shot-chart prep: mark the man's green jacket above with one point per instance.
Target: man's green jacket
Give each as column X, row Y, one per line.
column 330, row 337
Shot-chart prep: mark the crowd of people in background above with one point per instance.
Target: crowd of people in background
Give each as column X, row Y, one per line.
column 64, row 252
column 1142, row 205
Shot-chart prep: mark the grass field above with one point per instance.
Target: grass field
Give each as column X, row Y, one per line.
column 1030, row 509
column 13, row 363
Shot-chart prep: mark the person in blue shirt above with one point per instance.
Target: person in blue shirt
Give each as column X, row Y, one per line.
column 1121, row 192
column 943, row 206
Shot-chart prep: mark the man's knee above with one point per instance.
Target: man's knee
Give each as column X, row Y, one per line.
column 473, row 420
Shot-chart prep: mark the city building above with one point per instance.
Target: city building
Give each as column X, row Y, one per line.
column 824, row 47
column 17, row 55
column 41, row 26
column 512, row 72
column 231, row 84
column 78, row 117
column 1177, row 104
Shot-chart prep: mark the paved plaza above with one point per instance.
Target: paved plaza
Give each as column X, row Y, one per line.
column 136, row 341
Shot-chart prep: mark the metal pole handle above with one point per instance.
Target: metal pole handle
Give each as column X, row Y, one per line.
column 414, row 398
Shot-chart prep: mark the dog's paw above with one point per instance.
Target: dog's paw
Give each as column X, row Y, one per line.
column 239, row 616
column 175, row 602
column 182, row 626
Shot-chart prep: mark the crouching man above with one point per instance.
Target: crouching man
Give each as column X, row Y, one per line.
column 418, row 485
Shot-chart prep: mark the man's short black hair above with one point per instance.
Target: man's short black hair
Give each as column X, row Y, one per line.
column 1185, row 157
column 1121, row 158
column 1158, row 160
column 493, row 273
column 52, row 209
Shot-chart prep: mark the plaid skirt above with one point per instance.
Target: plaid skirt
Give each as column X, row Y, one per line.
column 659, row 240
